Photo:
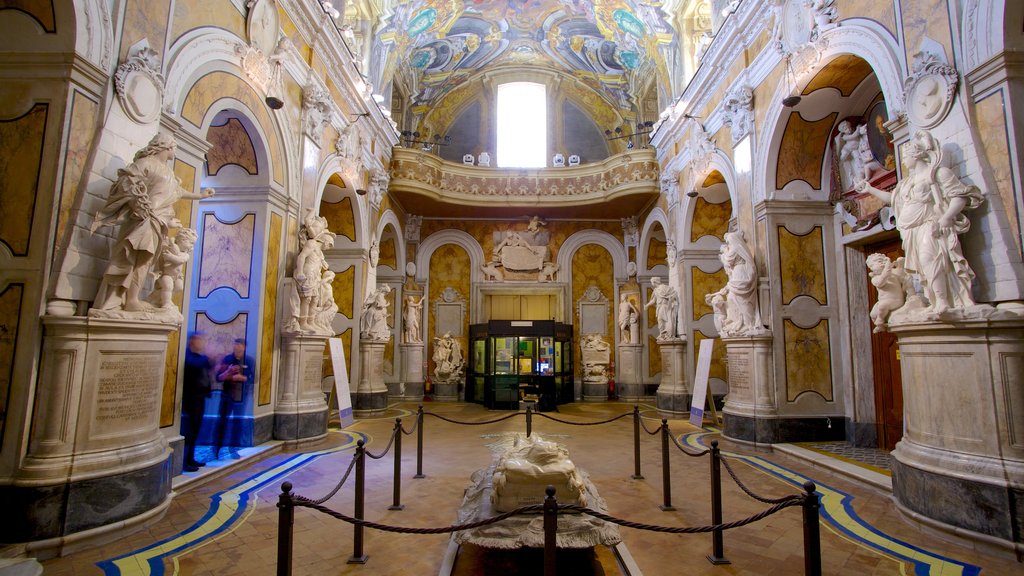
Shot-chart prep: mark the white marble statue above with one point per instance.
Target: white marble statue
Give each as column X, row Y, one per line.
column 735, row 305
column 893, row 284
column 629, row 321
column 666, row 305
column 548, row 271
column 169, row 271
column 449, row 362
column 856, row 160
column 413, row 314
column 492, row 271
column 373, row 323
column 928, row 204
column 141, row 202
column 310, row 300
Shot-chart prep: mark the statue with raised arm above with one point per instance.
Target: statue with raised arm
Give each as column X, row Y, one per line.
column 141, row 202
column 413, row 314
column 735, row 305
column 629, row 318
column 666, row 304
column 928, row 205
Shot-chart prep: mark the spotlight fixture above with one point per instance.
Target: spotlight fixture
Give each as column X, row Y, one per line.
column 641, row 129
column 361, row 191
column 793, row 99
column 692, row 193
column 411, row 138
column 274, row 103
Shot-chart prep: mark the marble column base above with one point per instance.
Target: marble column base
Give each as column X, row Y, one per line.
column 629, row 392
column 304, row 426
column 961, row 459
column 446, row 391
column 369, row 403
column 371, row 394
column 629, row 384
column 673, row 393
column 301, row 410
column 595, row 391
column 776, row 430
column 411, row 386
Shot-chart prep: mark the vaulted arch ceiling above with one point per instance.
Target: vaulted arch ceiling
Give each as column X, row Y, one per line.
column 616, row 47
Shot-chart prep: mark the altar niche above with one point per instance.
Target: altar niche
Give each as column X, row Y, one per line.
column 513, row 359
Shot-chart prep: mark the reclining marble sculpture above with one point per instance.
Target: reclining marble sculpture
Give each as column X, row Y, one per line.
column 528, row 467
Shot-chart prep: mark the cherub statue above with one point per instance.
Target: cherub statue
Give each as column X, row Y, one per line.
column 892, row 282
column 170, row 267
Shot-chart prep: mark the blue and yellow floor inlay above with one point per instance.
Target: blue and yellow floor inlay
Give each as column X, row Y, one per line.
column 227, row 510
column 838, row 515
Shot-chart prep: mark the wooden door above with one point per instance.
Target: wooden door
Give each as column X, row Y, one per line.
column 886, row 363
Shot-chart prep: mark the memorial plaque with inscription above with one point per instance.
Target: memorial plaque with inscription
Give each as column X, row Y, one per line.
column 127, row 391
column 739, row 374
column 312, row 372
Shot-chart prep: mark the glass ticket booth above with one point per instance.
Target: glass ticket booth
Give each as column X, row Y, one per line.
column 511, row 360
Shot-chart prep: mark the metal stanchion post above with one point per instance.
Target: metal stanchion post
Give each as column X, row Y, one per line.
column 529, row 420
column 812, row 531
column 550, row 532
column 419, row 443
column 666, row 477
column 285, row 522
column 636, row 443
column 357, row 531
column 717, row 555
column 396, row 504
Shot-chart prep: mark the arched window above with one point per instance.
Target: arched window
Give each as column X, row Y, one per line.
column 522, row 125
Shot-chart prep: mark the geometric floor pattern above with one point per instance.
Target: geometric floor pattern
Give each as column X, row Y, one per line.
column 872, row 457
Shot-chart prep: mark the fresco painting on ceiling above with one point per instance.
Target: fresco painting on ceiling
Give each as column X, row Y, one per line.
column 604, row 43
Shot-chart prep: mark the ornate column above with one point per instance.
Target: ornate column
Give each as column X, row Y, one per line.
column 674, row 394
column 961, row 459
column 301, row 410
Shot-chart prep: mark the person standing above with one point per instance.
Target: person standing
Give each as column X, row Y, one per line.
column 236, row 375
column 195, row 390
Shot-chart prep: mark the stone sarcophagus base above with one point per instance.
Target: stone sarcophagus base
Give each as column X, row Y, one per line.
column 961, row 460
column 674, row 395
column 750, row 408
column 95, row 434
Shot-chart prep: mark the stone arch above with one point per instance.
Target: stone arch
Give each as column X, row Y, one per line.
column 987, row 25
column 458, row 237
column 331, row 175
column 657, row 216
column 610, row 243
column 94, row 39
column 232, row 108
column 390, row 220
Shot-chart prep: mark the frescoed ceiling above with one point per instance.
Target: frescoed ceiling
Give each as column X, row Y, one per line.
column 432, row 47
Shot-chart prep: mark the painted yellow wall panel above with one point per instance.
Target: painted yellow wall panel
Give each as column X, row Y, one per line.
column 995, row 146
column 881, row 11
column 802, row 149
column 344, row 291
column 145, row 19
column 802, row 265
column 81, row 135
column 703, row 283
column 808, row 360
column 21, row 150
column 192, row 14
column 448, row 268
column 269, row 330
column 226, row 255
column 10, row 319
column 40, row 10
column 923, row 18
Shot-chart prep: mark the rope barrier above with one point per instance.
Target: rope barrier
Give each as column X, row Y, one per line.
column 646, row 429
column 391, row 443
column 620, row 416
column 411, row 430
column 789, row 501
column 340, row 484
column 685, row 451
column 746, row 490
column 439, row 417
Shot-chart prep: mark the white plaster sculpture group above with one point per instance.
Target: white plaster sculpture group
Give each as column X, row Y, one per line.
column 373, row 323
column 449, row 362
column 312, row 298
column 856, row 160
column 141, row 204
column 928, row 205
column 735, row 305
column 521, row 251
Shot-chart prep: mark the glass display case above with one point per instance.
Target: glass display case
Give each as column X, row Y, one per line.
column 513, row 359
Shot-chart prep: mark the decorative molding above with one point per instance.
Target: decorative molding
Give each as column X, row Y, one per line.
column 139, row 84
column 413, row 223
column 738, row 111
column 316, row 111
column 379, row 180
column 929, row 89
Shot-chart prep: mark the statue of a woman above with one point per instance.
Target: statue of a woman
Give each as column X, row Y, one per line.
column 928, row 205
column 373, row 323
column 666, row 303
column 141, row 201
column 735, row 305
column 413, row 312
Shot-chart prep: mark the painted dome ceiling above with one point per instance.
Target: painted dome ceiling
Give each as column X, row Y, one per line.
column 616, row 47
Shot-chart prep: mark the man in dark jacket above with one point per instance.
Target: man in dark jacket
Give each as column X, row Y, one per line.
column 195, row 390
column 236, row 374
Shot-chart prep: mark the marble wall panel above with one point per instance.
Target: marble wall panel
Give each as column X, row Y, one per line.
column 230, row 144
column 991, row 121
column 802, row 265
column 344, row 291
column 388, row 255
column 192, row 14
column 10, row 316
column 718, row 356
column 340, row 218
column 653, row 355
column 657, row 253
column 449, row 267
column 81, row 133
column 216, row 85
column 227, row 252
column 703, row 283
column 269, row 331
column 186, row 174
column 220, row 338
column 40, row 10
column 926, row 18
column 145, row 19
column 710, row 219
column 328, row 138
column 882, row 12
column 21, row 152
column 802, row 150
column 844, row 73
column 763, row 94
column 808, row 360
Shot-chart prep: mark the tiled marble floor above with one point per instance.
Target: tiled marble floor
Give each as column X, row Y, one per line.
column 228, row 525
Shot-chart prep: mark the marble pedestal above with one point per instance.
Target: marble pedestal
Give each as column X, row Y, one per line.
column 97, row 460
column 371, row 394
column 411, row 385
column 674, row 393
column 446, row 390
column 301, row 410
column 750, row 409
column 629, row 374
column 961, row 460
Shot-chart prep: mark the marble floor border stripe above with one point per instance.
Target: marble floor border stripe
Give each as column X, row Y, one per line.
column 226, row 509
column 837, row 510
